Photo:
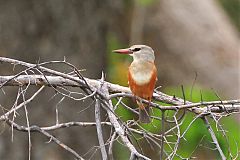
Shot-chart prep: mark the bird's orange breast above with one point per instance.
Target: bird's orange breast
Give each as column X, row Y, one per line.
column 142, row 86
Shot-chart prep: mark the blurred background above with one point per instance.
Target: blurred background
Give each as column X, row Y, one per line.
column 196, row 43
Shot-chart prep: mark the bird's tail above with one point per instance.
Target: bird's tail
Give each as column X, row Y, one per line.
column 144, row 114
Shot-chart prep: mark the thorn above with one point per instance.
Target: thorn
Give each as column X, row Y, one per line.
column 102, row 77
column 174, row 97
column 38, row 61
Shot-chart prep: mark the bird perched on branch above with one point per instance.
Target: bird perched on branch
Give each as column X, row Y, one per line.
column 142, row 76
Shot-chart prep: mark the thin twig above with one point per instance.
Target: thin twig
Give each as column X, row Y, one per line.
column 51, row 137
column 21, row 105
column 214, row 138
column 28, row 124
column 110, row 148
column 163, row 134
column 99, row 130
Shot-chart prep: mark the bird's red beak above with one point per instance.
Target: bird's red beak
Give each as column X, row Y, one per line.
column 123, row 51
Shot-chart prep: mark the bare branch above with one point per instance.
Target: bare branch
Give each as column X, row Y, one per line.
column 51, row 137
column 214, row 138
column 3, row 117
column 99, row 130
column 230, row 106
column 102, row 93
column 110, row 152
column 118, row 128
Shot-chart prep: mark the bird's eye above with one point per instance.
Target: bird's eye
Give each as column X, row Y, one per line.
column 136, row 49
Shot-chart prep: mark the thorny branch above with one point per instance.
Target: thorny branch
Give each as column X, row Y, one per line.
column 102, row 93
column 40, row 130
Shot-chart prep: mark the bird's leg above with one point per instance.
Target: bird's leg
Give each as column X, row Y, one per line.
column 146, row 106
column 134, row 98
column 149, row 102
column 139, row 102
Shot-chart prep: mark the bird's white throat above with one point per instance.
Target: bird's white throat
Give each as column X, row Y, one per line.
column 141, row 71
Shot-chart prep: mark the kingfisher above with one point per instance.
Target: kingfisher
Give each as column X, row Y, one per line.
column 142, row 76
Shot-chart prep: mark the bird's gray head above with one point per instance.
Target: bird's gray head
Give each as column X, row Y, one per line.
column 142, row 52
column 139, row 52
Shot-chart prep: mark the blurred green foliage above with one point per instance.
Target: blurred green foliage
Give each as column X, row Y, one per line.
column 117, row 64
column 146, row 2
column 232, row 8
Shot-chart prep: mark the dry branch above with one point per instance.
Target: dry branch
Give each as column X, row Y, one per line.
column 226, row 106
column 118, row 127
column 40, row 130
column 214, row 138
column 102, row 93
column 99, row 130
